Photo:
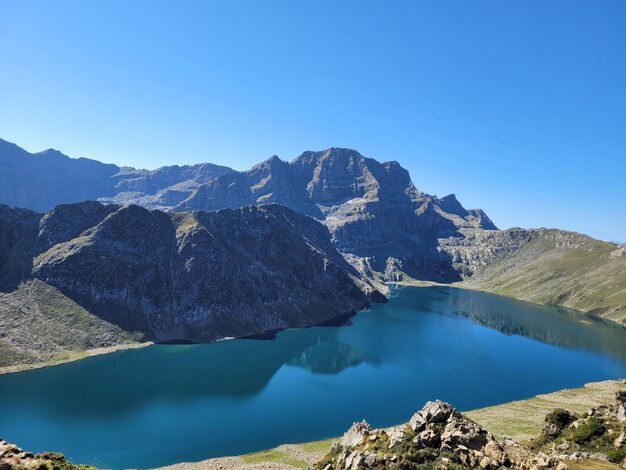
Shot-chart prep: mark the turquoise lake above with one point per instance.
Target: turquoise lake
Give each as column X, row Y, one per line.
column 173, row 403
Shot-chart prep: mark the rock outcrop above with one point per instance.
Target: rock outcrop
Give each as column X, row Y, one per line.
column 437, row 436
column 14, row 458
column 192, row 276
column 597, row 435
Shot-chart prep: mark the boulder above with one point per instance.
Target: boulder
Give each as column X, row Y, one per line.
column 462, row 432
column 417, row 422
column 396, row 436
column 427, row 438
column 357, row 434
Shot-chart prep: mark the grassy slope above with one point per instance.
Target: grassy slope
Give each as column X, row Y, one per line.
column 562, row 268
column 41, row 326
column 521, row 420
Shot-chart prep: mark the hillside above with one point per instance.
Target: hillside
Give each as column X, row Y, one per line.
column 561, row 268
column 377, row 219
column 98, row 276
column 41, row 325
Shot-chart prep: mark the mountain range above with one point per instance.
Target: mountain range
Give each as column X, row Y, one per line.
column 40, row 181
column 373, row 210
column 108, row 255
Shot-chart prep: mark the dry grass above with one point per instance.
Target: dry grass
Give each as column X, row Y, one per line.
column 523, row 419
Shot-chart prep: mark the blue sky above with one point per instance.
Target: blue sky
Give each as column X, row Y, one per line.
column 519, row 107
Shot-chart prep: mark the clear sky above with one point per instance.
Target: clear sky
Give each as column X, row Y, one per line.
column 519, row 107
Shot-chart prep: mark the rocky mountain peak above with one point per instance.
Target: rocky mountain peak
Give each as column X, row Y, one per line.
column 372, row 209
column 452, row 205
column 335, row 153
column 272, row 162
column 51, row 151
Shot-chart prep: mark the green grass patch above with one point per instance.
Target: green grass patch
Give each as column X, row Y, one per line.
column 274, row 456
column 317, row 446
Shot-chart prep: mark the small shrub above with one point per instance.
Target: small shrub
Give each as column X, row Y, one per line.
column 421, row 456
column 53, row 456
column 617, row 455
column 589, row 429
column 560, row 418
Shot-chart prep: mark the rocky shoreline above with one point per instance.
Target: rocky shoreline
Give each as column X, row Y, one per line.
column 78, row 356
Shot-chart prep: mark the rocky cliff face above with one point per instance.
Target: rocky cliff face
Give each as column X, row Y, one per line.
column 184, row 276
column 377, row 218
column 372, row 209
column 41, row 181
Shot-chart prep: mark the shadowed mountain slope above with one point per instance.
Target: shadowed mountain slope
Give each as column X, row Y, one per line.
column 192, row 276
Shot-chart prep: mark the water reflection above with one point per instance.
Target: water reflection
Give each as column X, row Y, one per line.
column 330, row 357
column 127, row 379
column 554, row 325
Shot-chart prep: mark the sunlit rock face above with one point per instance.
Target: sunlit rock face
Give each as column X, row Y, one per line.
column 372, row 209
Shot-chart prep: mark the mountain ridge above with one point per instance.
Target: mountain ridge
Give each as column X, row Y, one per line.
column 132, row 274
column 43, row 180
column 373, row 210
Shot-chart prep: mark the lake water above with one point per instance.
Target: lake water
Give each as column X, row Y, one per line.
column 173, row 403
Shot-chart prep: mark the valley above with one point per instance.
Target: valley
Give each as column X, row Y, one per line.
column 142, row 292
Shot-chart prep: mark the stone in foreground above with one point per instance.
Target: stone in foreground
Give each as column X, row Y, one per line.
column 437, row 436
column 14, row 458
